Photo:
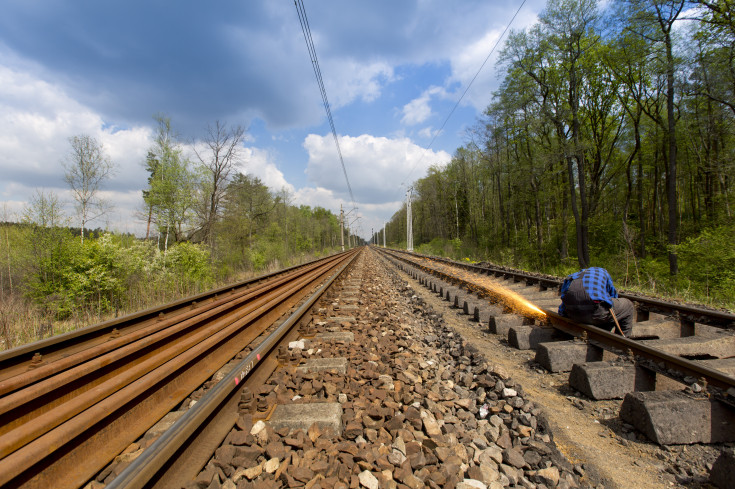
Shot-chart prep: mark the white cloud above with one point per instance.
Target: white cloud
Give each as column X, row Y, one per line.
column 36, row 121
column 318, row 196
column 371, row 216
column 347, row 80
column 467, row 59
column 428, row 132
column 466, row 65
column 127, row 149
column 259, row 163
column 418, row 109
column 376, row 166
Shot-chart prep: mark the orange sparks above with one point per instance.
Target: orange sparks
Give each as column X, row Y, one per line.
column 518, row 302
column 507, row 297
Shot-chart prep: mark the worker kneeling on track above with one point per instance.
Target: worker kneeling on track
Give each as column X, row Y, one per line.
column 589, row 297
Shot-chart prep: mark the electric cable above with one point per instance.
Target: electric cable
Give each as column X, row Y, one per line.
column 464, row 93
column 301, row 10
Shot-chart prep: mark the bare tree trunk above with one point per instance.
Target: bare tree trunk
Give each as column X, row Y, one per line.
column 671, row 173
column 10, row 275
column 575, row 212
column 148, row 225
column 564, row 251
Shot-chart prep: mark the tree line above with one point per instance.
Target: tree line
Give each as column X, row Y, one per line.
column 206, row 222
column 610, row 142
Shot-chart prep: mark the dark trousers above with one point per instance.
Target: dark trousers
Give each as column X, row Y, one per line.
column 580, row 308
column 598, row 314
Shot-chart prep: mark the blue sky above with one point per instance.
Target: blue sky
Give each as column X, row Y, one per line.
column 392, row 72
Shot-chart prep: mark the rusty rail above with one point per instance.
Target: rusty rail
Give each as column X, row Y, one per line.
column 686, row 314
column 687, row 367
column 150, row 468
column 33, row 355
column 63, row 420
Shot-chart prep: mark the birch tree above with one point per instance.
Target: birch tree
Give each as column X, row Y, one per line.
column 217, row 161
column 86, row 168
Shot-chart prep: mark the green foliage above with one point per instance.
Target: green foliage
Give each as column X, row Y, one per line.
column 100, row 275
column 188, row 262
column 171, row 183
column 573, row 163
column 708, row 260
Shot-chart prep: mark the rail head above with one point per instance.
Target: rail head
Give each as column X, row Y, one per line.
column 145, row 468
column 24, row 353
column 692, row 313
column 671, row 363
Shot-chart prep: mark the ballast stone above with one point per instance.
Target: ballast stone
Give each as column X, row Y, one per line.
column 723, row 469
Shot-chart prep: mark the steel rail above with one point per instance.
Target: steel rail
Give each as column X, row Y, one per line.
column 712, row 317
column 33, row 424
column 27, row 357
column 688, row 367
column 147, row 330
column 31, row 430
column 144, row 469
column 99, row 431
column 96, row 358
column 692, row 368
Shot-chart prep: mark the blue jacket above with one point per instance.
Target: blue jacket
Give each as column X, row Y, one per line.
column 596, row 282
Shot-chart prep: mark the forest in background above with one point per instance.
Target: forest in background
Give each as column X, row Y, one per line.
column 207, row 224
column 611, row 142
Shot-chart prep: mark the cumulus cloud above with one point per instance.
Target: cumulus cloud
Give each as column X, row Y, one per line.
column 318, row 197
column 36, row 121
column 371, row 216
column 469, row 58
column 260, row 163
column 354, row 80
column 418, row 109
column 428, row 132
column 376, row 166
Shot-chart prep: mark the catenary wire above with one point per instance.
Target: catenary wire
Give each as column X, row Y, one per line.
column 436, row 134
column 317, row 72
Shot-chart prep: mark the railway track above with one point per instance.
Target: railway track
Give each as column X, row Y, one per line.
column 326, row 375
column 378, row 395
column 675, row 375
column 69, row 405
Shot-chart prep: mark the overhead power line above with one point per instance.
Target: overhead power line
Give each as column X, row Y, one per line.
column 318, row 73
column 465, row 92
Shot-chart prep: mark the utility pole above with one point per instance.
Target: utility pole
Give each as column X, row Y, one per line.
column 385, row 230
column 409, row 221
column 342, row 226
column 372, row 236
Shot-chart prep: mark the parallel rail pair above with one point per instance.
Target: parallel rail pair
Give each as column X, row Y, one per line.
column 70, row 404
column 663, row 362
